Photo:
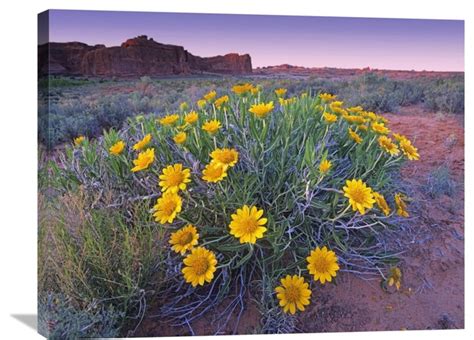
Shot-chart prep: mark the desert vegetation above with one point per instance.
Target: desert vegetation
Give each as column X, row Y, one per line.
column 205, row 196
column 81, row 106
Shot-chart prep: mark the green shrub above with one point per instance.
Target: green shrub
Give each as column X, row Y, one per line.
column 59, row 318
column 446, row 95
column 91, row 252
column 60, row 82
column 100, row 244
column 440, row 182
column 278, row 171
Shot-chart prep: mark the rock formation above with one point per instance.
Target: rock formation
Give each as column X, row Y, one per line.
column 139, row 56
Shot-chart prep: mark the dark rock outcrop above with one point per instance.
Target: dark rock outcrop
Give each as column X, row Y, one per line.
column 229, row 63
column 62, row 58
column 139, row 56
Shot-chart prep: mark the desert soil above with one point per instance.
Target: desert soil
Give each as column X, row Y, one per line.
column 432, row 291
column 432, row 287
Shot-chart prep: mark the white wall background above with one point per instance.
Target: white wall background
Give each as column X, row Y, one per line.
column 18, row 130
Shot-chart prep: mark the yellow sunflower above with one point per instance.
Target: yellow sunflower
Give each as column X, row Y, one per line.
column 144, row 160
column 184, row 239
column 199, row 266
column 336, row 104
column 389, row 146
column 356, row 109
column 285, row 102
column 117, row 148
column 214, row 172
column 371, row 115
column 338, row 110
column 380, row 128
column 79, row 140
column 329, row 117
column 261, row 110
column 142, row 143
column 242, row 88
column 293, row 293
column 248, row 224
column 322, row 264
column 183, row 106
column 210, row 95
column 398, row 136
column 226, row 157
column 201, row 103
column 327, row 97
column 395, row 277
column 409, row 150
column 221, row 101
column 354, row 119
column 191, row 117
column 180, row 138
column 382, row 203
column 401, row 205
column 325, row 166
column 169, row 119
column 359, row 194
column 280, row 92
column 354, row 136
column 174, row 178
column 167, row 207
column 211, row 126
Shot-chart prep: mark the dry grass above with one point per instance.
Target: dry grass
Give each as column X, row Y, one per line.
column 97, row 255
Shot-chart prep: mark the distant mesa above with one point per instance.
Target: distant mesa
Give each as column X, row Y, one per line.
column 139, row 56
column 143, row 56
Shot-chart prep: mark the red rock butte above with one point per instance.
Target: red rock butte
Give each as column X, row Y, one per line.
column 140, row 56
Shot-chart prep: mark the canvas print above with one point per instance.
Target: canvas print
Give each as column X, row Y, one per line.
column 208, row 174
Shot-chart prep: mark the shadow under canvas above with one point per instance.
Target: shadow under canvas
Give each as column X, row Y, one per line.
column 30, row 320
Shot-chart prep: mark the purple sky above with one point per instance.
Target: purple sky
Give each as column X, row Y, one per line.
column 399, row 44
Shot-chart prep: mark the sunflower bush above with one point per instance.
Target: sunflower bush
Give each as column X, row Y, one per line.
column 261, row 195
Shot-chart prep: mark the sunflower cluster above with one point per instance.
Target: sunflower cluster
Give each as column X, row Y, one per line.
column 361, row 198
column 243, row 89
column 221, row 161
column 209, row 156
column 200, row 264
column 175, row 178
column 294, row 294
column 365, row 126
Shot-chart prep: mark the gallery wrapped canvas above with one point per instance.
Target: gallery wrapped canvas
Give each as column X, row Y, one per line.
column 247, row 174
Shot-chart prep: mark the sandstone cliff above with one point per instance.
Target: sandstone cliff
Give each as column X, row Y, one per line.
column 139, row 56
